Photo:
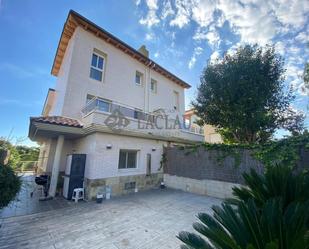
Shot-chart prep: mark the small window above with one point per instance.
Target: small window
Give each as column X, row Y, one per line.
column 153, row 85
column 96, row 68
column 138, row 78
column 176, row 100
column 129, row 185
column 127, row 159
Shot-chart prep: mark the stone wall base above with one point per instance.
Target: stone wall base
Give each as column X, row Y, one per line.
column 118, row 184
column 218, row 189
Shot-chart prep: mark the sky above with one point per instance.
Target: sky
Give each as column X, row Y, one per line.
column 181, row 35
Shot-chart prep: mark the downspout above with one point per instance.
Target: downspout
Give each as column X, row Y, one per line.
column 147, row 83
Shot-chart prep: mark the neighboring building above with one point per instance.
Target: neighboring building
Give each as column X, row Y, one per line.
column 211, row 136
column 107, row 98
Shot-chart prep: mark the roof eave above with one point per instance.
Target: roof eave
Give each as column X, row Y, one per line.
column 75, row 19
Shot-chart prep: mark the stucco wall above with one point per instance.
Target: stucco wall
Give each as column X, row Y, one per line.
column 61, row 87
column 119, row 80
column 103, row 163
column 218, row 189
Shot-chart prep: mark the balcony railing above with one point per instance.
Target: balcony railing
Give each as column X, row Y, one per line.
column 106, row 106
column 98, row 104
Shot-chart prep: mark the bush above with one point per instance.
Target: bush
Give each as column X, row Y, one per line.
column 10, row 185
column 272, row 212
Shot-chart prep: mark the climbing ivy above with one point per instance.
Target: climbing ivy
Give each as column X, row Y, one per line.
column 285, row 151
column 163, row 160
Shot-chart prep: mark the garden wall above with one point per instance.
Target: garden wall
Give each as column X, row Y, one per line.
column 211, row 172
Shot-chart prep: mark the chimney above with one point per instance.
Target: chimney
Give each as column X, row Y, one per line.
column 143, row 51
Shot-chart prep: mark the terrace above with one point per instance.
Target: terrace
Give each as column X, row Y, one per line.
column 105, row 113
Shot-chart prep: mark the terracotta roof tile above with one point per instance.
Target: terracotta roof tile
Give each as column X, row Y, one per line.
column 58, row 120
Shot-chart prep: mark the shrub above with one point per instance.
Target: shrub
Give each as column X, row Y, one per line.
column 272, row 212
column 10, row 185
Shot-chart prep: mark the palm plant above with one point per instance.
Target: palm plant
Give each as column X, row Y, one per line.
column 271, row 212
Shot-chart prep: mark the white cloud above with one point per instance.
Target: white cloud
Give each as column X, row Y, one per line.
column 255, row 21
column 167, row 9
column 214, row 56
column 250, row 21
column 197, row 51
column 302, row 37
column 213, row 38
column 280, row 47
column 151, row 18
column 291, row 12
column 203, row 12
column 200, row 35
column 150, row 36
column 183, row 13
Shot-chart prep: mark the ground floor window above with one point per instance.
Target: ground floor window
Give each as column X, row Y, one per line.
column 127, row 159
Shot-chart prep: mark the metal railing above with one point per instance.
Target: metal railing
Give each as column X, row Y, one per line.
column 109, row 107
column 98, row 104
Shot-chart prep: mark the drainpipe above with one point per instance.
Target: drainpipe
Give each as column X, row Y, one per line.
column 56, row 166
column 147, row 84
column 150, row 66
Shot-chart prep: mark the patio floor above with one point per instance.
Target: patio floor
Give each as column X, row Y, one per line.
column 143, row 220
column 25, row 204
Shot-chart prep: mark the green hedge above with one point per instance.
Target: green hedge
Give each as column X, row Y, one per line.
column 10, row 185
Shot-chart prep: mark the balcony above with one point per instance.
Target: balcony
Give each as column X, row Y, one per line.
column 121, row 118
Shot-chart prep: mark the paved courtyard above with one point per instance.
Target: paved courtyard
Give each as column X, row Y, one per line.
column 144, row 220
column 27, row 200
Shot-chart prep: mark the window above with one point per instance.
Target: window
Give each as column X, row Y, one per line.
column 138, row 78
column 89, row 98
column 98, row 103
column 153, row 85
column 96, row 69
column 129, row 185
column 127, row 159
column 138, row 114
column 176, row 100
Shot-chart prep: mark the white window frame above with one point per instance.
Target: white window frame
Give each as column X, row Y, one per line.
column 99, row 55
column 141, row 75
column 155, row 85
column 126, row 164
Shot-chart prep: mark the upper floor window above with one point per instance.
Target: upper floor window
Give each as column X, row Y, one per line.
column 138, row 78
column 153, row 85
column 96, row 69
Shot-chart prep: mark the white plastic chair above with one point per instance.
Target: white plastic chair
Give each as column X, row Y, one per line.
column 78, row 194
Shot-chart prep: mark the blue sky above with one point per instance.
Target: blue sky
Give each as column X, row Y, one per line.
column 180, row 35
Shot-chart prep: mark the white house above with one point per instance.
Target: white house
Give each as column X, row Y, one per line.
column 112, row 103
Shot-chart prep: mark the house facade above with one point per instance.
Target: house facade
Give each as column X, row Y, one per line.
column 112, row 103
column 210, row 133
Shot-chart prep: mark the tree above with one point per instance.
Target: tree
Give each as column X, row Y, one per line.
column 244, row 95
column 271, row 212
